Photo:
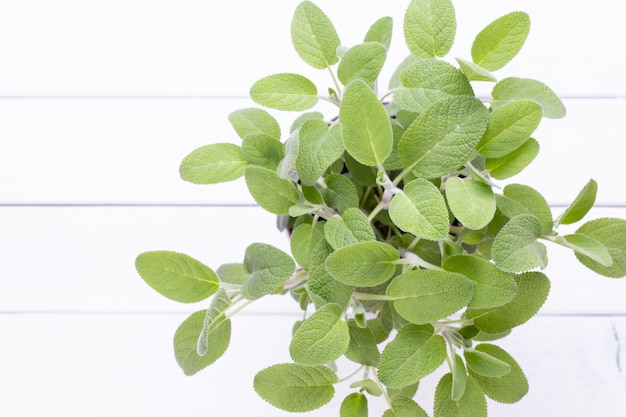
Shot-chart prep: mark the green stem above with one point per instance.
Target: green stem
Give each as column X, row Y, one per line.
column 345, row 378
column 337, row 86
column 372, row 297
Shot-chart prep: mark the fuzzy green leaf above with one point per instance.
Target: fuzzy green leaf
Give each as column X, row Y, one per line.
column 303, row 118
column 611, row 233
column 484, row 364
column 274, row 194
column 186, row 340
column 395, row 80
column 295, row 388
column 509, row 127
column 177, row 276
column 313, row 36
column 253, row 120
column 322, row 338
column 533, row 201
column 515, row 247
column 509, row 388
column 587, row 246
column 290, row 92
column 421, row 210
column 501, row 40
column 513, row 163
column 429, row 27
column 369, row 385
column 472, row 404
column 352, row 227
column 363, row 62
column 214, row 319
column 414, row 353
column 442, row 139
column 300, row 241
column 459, row 378
column 212, row 164
column 367, row 133
column 475, row 72
column 362, row 348
column 292, row 148
column 262, row 150
column 381, row 31
column 269, row 268
column 354, row 405
column 364, row 264
column 581, row 205
column 514, row 89
column 233, row 273
column 340, row 193
column 404, row 407
column 472, row 202
column 423, row 296
column 319, row 147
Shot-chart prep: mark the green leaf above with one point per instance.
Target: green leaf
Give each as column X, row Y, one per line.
column 269, row 268
column 212, row 164
column 501, row 40
column 472, row 404
column 581, row 205
column 362, row 348
column 354, row 405
column 509, row 388
column 295, row 388
column 352, row 227
column 233, row 273
column 424, row 296
column 186, row 340
column 274, row 194
column 253, row 120
column 364, row 264
column 587, row 246
column 291, row 92
column 215, row 318
column 459, row 378
column 300, row 241
column 482, row 363
column 492, row 287
column 414, row 353
column 533, row 201
column 475, row 72
column 381, row 31
column 429, row 27
column 532, row 292
column 395, row 81
column 319, row 147
column 340, row 193
column 363, row 62
column 262, row 150
column 421, row 210
column 514, row 89
column 472, row 202
column 509, row 127
column 314, row 36
column 442, row 139
column 303, row 118
column 367, row 133
column 292, row 148
column 404, row 407
column 611, row 233
column 177, row 276
column 369, row 385
column 513, row 163
column 429, row 81
column 515, row 247
column 322, row 338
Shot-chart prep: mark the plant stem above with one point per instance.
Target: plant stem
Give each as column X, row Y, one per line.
column 337, row 86
column 372, row 297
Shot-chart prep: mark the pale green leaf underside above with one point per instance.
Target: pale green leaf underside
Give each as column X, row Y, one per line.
column 459, row 378
column 314, row 36
column 269, row 268
column 253, row 120
column 284, row 193
column 515, row 89
column 484, row 364
column 290, row 92
column 364, row 264
column 515, row 247
column 471, row 404
column 509, row 388
column 212, row 164
column 319, row 147
column 581, row 205
column 429, row 27
column 472, row 202
column 292, row 148
column 587, row 246
column 611, row 233
column 513, row 163
column 501, row 40
column 215, row 318
column 475, row 72
column 363, row 62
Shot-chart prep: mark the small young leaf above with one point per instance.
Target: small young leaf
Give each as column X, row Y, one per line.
column 177, row 276
column 459, row 378
column 319, row 147
column 322, row 338
column 420, row 210
column 283, row 193
column 501, row 40
column 513, row 163
column 367, row 133
column 514, row 89
column 262, row 150
column 515, row 248
column 509, row 388
column 364, row 264
column 253, row 120
column 296, row 388
column 212, row 164
column 292, row 148
column 429, row 27
column 362, row 348
column 290, row 92
column 353, row 227
column 472, row 404
column 442, row 139
column 340, row 193
column 587, row 246
column 354, row 405
column 269, row 268
column 404, row 407
column 533, row 201
column 611, row 233
column 369, row 385
column 475, row 72
column 492, row 287
column 414, row 353
column 581, row 205
column 215, row 318
column 484, row 364
column 532, row 291
column 509, row 127
column 423, row 296
column 313, row 36
column 363, row 62
column 381, row 31
column 186, row 340
column 472, row 202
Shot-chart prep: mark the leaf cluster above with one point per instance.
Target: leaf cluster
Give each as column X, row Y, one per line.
column 406, row 255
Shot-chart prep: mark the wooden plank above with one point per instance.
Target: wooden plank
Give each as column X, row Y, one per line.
column 184, row 47
column 122, row 365
column 129, row 151
column 82, row 258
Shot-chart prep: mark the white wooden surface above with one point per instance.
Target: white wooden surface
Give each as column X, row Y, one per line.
column 99, row 102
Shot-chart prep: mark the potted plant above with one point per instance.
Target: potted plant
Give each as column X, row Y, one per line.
column 407, row 254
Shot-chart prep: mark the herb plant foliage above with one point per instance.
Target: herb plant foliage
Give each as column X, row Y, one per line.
column 405, row 255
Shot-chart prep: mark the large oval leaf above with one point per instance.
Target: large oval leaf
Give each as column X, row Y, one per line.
column 253, row 120
column 581, row 205
column 290, row 92
column 515, row 247
column 269, row 268
column 611, row 233
column 429, row 27
column 363, row 61
column 514, row 89
column 508, row 388
column 514, row 162
column 364, row 264
column 215, row 163
column 314, row 36
column 318, row 148
column 501, row 40
column 274, row 194
column 471, row 202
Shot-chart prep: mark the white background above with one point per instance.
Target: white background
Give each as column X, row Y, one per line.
column 99, row 102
